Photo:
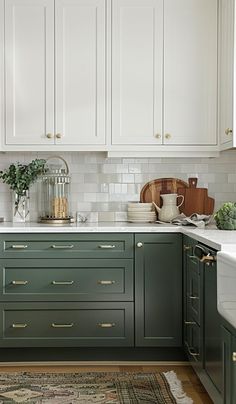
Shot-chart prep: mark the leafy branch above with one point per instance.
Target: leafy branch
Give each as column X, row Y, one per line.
column 20, row 176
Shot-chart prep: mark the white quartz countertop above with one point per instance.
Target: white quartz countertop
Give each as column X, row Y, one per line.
column 218, row 239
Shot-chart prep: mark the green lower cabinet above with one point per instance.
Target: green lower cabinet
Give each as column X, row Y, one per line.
column 68, row 324
column 229, row 363
column 158, row 290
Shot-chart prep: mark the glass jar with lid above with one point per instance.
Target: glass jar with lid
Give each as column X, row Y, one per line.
column 55, row 192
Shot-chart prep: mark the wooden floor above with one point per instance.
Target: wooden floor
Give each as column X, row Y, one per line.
column 190, row 382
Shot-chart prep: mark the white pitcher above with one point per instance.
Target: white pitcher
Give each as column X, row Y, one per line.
column 169, row 209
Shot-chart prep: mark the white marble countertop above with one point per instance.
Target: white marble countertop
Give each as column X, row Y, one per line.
column 218, row 239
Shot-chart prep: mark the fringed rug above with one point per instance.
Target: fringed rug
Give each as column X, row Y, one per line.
column 90, row 388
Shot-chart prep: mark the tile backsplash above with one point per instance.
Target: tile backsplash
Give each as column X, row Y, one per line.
column 101, row 186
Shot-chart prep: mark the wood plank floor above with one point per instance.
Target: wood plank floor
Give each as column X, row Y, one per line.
column 191, row 384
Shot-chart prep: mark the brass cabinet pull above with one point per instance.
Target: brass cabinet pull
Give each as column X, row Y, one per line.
column 192, row 352
column 234, row 356
column 106, row 282
column 62, row 282
column 187, row 247
column 106, row 325
column 49, row 135
column 139, row 244
column 19, row 246
column 167, row 135
column 158, row 136
column 106, row 246
column 228, row 131
column 58, row 135
column 193, row 297
column 56, row 325
column 62, row 247
column 19, row 282
column 190, row 323
column 19, row 325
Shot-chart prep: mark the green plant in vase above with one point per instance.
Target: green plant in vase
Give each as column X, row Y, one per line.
column 20, row 177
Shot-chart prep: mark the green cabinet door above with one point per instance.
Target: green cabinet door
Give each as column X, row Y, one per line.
column 158, row 290
column 227, row 361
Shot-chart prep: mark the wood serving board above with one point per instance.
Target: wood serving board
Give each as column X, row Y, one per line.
column 152, row 190
column 196, row 200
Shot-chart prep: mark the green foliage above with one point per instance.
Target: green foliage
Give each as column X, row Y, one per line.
column 225, row 217
column 21, row 176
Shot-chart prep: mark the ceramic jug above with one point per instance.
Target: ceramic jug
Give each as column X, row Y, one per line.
column 169, row 209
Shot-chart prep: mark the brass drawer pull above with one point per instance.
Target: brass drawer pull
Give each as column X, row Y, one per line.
column 19, row 282
column 106, row 282
column 187, row 247
column 62, row 282
column 190, row 323
column 19, row 325
column 193, row 297
column 62, row 247
column 107, row 246
column 19, row 246
column 234, row 356
column 56, row 325
column 192, row 352
column 106, row 325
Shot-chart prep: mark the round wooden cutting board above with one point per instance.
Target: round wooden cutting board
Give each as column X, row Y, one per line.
column 152, row 190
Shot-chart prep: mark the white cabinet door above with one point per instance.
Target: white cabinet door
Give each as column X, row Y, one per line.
column 29, row 77
column 226, row 75
column 190, row 72
column 80, row 72
column 137, row 47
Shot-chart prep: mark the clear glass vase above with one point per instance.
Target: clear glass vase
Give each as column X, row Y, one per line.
column 21, row 207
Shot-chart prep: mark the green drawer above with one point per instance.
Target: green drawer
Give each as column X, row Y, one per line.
column 66, row 280
column 193, row 296
column 66, row 245
column 66, row 324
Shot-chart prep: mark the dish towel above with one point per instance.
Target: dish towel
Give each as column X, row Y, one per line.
column 194, row 220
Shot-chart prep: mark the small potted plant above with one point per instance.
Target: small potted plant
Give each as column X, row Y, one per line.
column 20, row 177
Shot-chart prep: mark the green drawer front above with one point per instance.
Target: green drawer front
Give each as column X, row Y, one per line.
column 193, row 296
column 66, row 245
column 66, row 280
column 84, row 324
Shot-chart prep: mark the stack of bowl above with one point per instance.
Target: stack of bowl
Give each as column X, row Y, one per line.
column 141, row 212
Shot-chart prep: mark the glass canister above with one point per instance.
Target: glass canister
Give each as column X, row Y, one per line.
column 55, row 192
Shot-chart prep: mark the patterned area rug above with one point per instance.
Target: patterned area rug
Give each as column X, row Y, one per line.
column 90, row 388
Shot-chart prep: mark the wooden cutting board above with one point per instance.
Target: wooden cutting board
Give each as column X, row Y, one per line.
column 152, row 190
column 196, row 200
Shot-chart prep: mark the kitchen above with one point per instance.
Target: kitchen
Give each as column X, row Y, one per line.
column 126, row 92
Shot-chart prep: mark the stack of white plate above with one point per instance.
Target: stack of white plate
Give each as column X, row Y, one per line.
column 141, row 212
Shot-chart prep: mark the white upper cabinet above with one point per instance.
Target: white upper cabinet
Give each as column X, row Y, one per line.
column 164, row 73
column 190, row 72
column 80, row 72
column 137, row 47
column 29, row 75
column 55, row 66
column 226, row 73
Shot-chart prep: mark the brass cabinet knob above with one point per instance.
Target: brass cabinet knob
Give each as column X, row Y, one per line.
column 167, row 136
column 139, row 244
column 228, row 131
column 58, row 135
column 49, row 135
column 158, row 136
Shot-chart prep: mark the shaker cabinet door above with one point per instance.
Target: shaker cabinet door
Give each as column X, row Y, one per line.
column 80, row 72
column 137, row 46
column 29, row 74
column 190, row 72
column 226, row 72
